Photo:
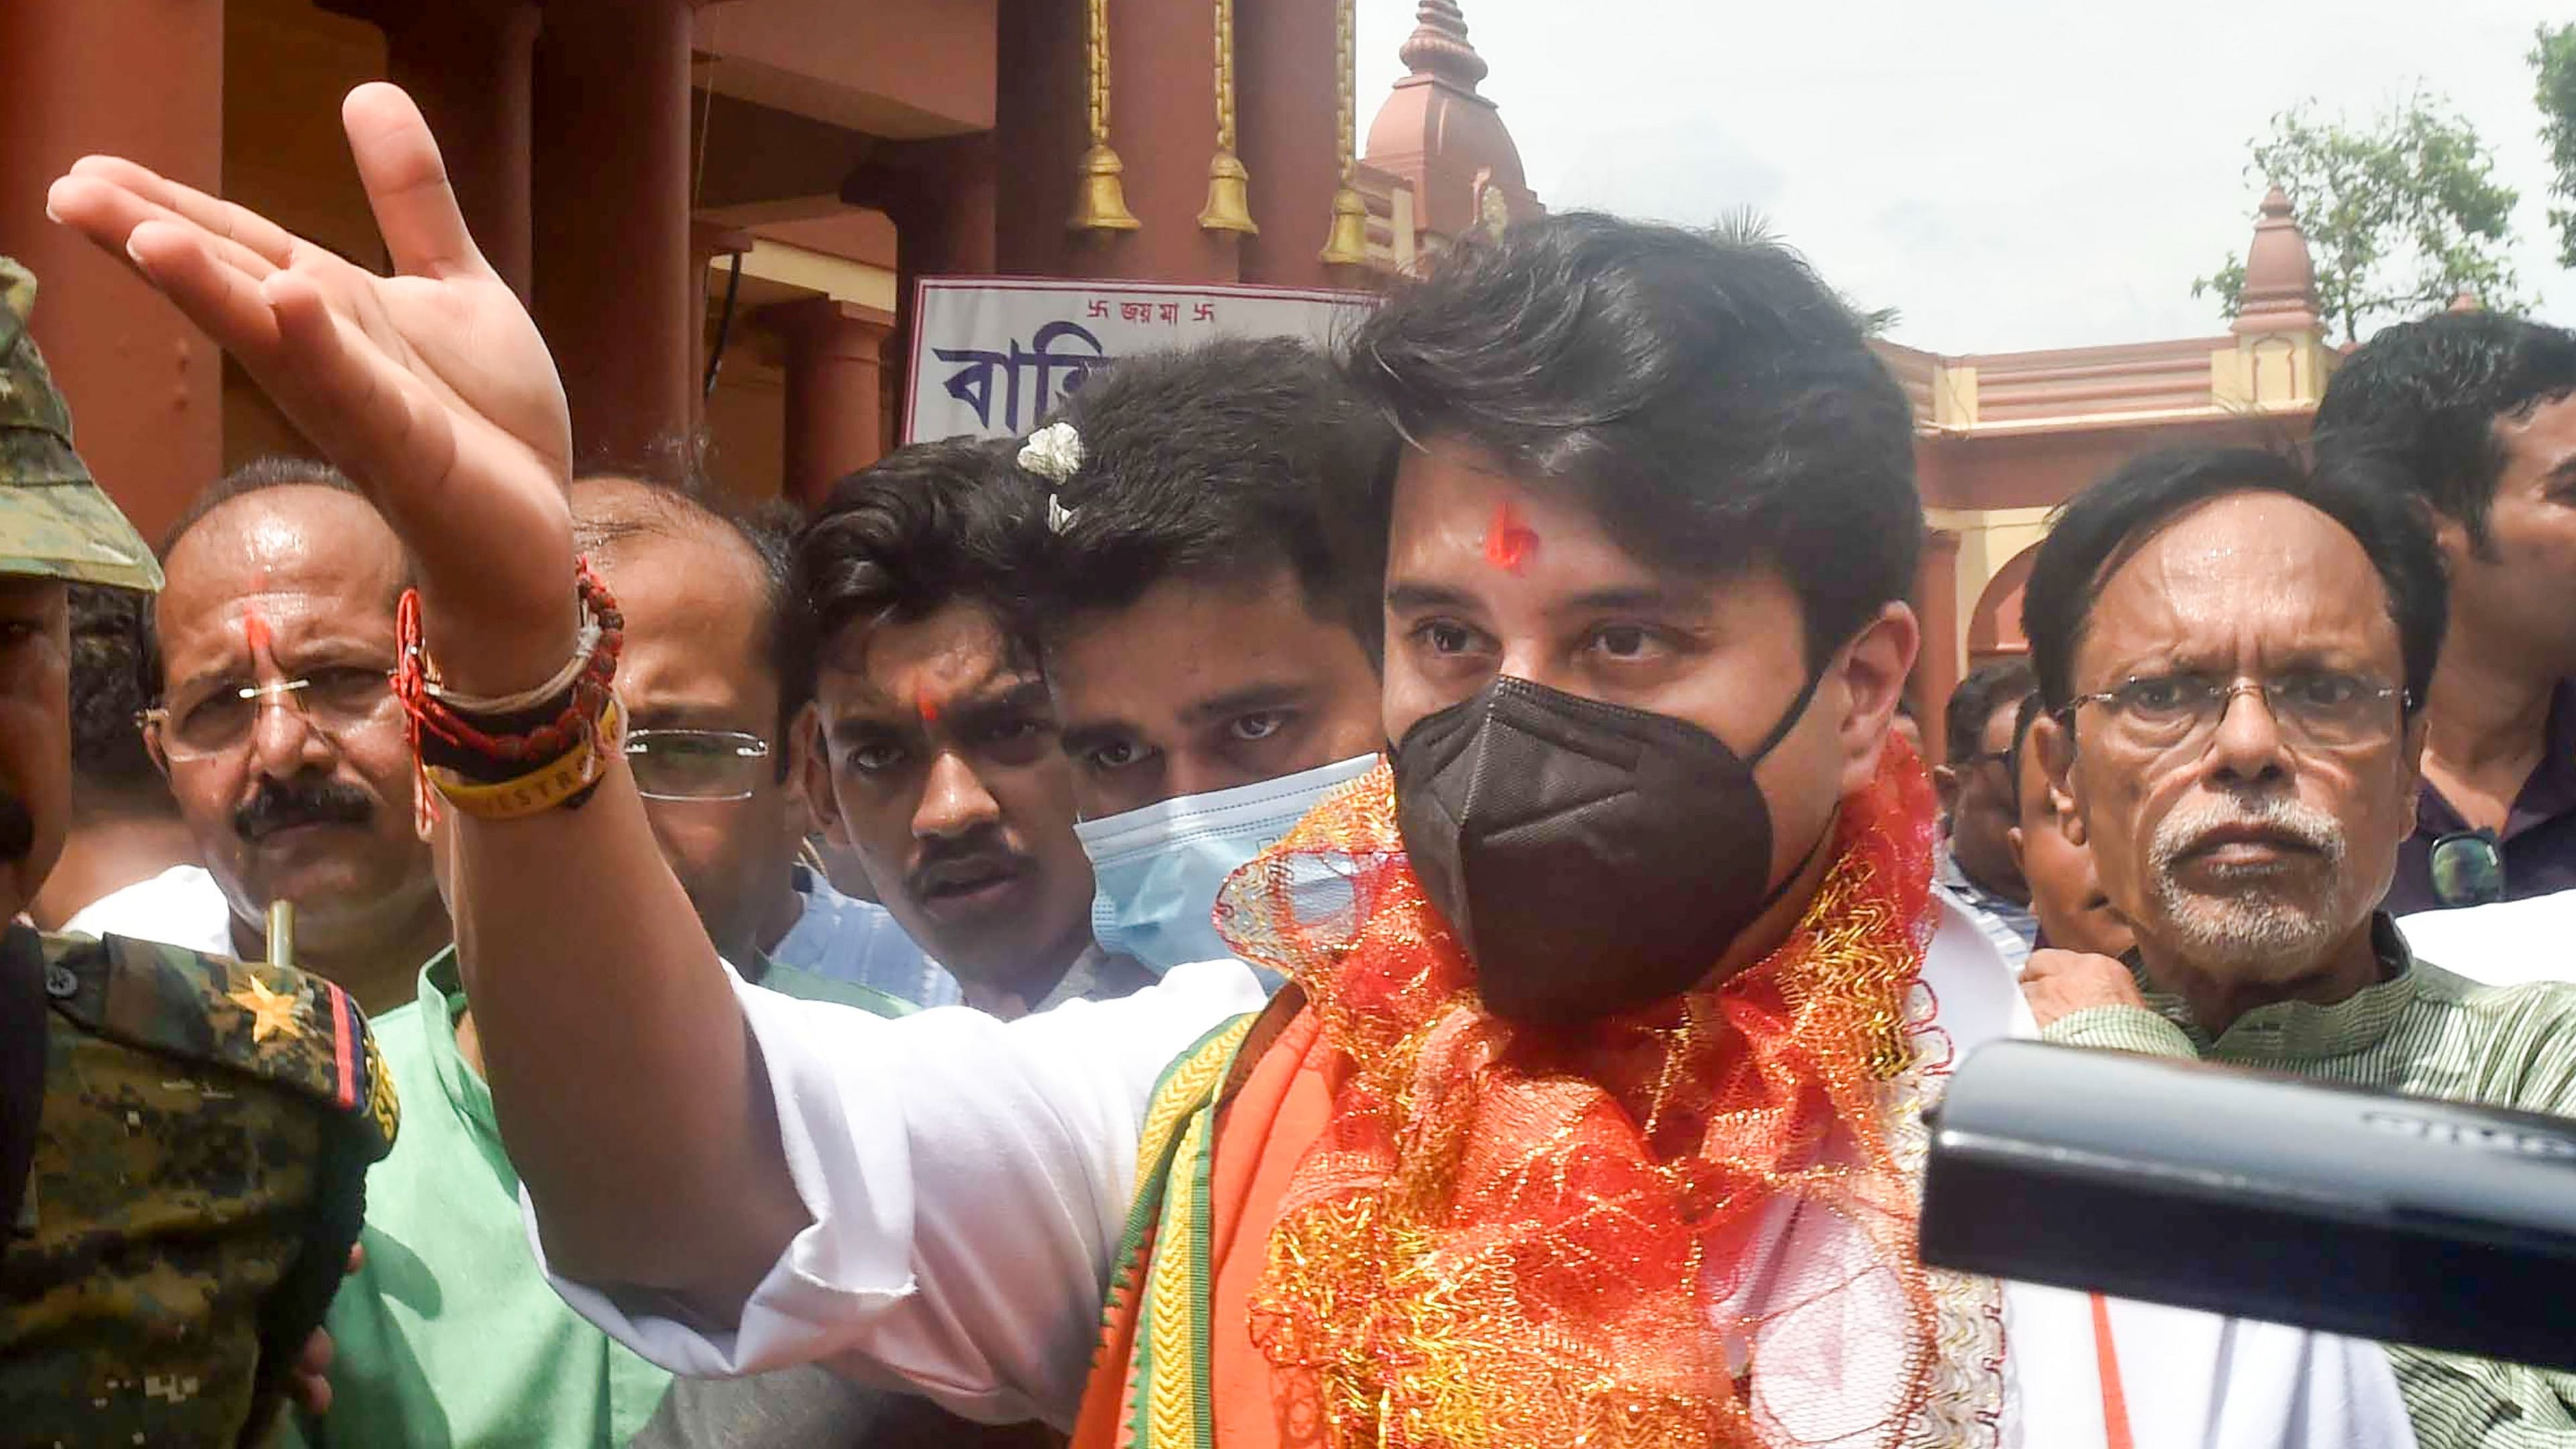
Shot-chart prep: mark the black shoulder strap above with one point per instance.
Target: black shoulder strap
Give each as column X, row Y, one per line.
column 22, row 1064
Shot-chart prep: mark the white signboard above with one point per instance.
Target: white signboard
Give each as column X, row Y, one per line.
column 990, row 355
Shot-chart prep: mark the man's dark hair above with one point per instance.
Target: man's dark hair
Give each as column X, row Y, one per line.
column 259, row 475
column 2031, row 708
column 112, row 772
column 1710, row 401
column 923, row 527
column 2102, row 527
column 1212, row 463
column 2425, row 397
column 689, row 506
column 1988, row 687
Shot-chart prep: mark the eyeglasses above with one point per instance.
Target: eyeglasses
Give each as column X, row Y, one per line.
column 2468, row 868
column 695, row 764
column 333, row 701
column 2321, row 708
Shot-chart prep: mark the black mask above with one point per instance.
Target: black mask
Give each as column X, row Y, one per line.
column 1590, row 858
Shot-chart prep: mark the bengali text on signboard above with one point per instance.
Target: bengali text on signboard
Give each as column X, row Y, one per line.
column 990, row 356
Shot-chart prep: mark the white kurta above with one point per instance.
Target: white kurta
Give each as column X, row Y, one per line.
column 968, row 1181
column 2504, row 944
column 182, row 906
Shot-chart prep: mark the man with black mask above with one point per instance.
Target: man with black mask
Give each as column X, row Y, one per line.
column 1593, row 1112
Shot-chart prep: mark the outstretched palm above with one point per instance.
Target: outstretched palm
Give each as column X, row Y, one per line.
column 431, row 387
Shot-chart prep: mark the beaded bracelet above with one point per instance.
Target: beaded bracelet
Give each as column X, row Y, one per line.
column 507, row 757
column 563, row 781
column 492, row 740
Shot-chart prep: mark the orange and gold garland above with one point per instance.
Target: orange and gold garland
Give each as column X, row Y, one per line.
column 1515, row 1235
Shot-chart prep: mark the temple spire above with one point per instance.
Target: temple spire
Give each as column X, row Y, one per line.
column 1439, row 47
column 2280, row 281
column 1437, row 136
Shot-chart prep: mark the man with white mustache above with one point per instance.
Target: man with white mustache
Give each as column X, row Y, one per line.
column 2233, row 656
column 2269, row 917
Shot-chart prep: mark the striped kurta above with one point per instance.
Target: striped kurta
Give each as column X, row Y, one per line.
column 2427, row 1033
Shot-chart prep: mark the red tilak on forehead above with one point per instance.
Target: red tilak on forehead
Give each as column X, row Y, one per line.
column 926, row 705
column 1509, row 542
column 255, row 635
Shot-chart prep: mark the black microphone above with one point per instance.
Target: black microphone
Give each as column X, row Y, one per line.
column 2261, row 1196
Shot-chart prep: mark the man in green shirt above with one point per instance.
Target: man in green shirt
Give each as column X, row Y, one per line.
column 448, row 1334
column 2234, row 657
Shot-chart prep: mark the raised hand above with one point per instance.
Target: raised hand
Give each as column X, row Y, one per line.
column 431, row 388
column 644, row 1139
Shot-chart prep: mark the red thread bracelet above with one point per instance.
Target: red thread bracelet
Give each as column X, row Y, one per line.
column 425, row 711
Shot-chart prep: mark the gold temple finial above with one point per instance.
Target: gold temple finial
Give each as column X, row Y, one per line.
column 1346, row 244
column 1099, row 201
column 1229, row 203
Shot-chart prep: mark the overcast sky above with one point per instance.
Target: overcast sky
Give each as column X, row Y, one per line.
column 2007, row 173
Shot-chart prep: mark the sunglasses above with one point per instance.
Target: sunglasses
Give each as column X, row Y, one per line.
column 2468, row 868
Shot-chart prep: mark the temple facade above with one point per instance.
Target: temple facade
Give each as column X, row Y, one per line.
column 716, row 210
column 2001, row 439
column 756, row 182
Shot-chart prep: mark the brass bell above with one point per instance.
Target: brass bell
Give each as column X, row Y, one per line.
column 1347, row 245
column 1229, row 203
column 1100, row 202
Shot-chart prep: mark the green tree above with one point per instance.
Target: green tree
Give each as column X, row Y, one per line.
column 2553, row 61
column 2401, row 214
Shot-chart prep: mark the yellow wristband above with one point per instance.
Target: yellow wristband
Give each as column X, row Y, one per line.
column 545, row 787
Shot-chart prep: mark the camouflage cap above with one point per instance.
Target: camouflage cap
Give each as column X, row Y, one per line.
column 55, row 521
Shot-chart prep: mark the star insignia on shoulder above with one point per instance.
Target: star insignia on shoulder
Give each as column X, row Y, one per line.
column 271, row 1012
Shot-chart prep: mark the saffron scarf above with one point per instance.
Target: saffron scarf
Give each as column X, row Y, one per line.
column 1598, row 1234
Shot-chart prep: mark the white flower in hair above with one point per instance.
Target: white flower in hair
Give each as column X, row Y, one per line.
column 1053, row 452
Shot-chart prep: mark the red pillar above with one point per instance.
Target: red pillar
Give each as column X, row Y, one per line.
column 142, row 79
column 1936, row 607
column 611, row 220
column 1039, row 123
column 835, row 391
column 1285, row 60
column 944, row 199
column 469, row 65
column 1162, row 124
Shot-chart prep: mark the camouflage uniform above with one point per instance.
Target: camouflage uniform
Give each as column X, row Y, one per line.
column 183, row 1139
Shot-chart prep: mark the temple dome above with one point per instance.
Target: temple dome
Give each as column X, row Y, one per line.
column 1436, row 132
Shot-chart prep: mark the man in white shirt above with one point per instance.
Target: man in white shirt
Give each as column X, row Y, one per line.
column 1613, row 1000
column 928, row 745
column 276, row 724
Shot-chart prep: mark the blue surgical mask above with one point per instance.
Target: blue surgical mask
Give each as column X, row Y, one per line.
column 1156, row 871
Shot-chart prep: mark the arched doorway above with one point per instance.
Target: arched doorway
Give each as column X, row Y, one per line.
column 1994, row 628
